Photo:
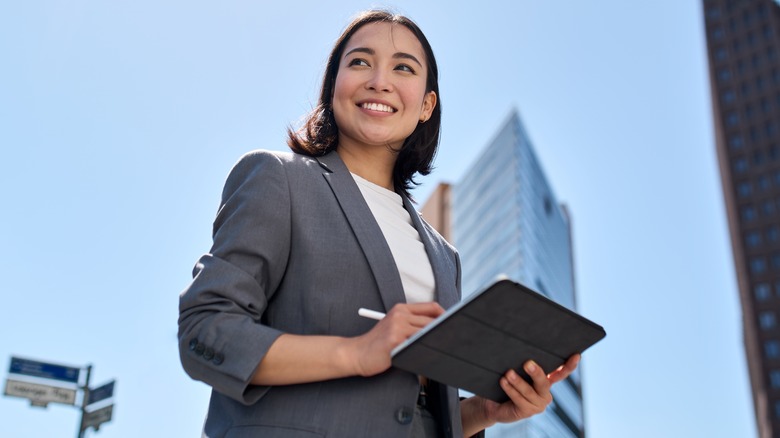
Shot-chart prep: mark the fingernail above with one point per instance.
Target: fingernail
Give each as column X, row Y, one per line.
column 511, row 375
column 530, row 366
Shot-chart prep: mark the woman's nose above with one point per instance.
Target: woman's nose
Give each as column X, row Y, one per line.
column 379, row 81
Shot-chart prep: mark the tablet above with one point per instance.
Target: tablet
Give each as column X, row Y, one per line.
column 475, row 342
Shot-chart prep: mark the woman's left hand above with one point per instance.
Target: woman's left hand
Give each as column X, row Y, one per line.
column 526, row 400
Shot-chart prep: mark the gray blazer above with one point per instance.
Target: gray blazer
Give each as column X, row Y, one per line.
column 297, row 250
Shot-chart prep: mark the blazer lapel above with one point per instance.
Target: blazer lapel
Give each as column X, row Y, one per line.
column 441, row 262
column 366, row 229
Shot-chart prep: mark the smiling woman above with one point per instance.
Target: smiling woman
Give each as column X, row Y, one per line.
column 303, row 240
column 380, row 94
column 413, row 58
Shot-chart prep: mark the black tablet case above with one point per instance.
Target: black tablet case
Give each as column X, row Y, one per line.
column 474, row 343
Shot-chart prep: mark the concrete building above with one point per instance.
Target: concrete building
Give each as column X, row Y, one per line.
column 743, row 46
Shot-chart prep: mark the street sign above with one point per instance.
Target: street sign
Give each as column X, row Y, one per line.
column 40, row 395
column 101, row 393
column 98, row 417
column 45, row 370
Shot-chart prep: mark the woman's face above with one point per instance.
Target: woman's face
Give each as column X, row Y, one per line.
column 379, row 95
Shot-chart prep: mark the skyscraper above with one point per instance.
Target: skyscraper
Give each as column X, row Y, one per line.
column 505, row 220
column 743, row 45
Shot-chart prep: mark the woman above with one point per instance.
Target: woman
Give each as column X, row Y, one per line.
column 304, row 239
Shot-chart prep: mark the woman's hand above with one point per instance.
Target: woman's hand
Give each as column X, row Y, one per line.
column 296, row 359
column 525, row 400
column 371, row 352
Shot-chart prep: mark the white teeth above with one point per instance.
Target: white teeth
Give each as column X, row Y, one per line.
column 377, row 107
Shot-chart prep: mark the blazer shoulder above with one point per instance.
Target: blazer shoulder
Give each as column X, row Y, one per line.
column 289, row 160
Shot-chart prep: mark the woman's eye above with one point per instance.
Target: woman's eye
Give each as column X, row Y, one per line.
column 404, row 67
column 358, row 61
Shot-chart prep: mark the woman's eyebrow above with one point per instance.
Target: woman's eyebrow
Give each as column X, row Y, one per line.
column 360, row 50
column 404, row 55
column 397, row 55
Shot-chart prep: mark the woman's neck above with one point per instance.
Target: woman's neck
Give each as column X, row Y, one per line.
column 374, row 164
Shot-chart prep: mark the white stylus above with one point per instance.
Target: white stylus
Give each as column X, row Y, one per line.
column 373, row 314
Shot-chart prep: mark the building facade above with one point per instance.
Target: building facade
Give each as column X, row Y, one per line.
column 743, row 47
column 505, row 220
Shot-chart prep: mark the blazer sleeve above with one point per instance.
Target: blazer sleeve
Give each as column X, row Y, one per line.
column 222, row 338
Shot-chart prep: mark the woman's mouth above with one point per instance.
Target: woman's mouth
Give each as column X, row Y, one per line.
column 373, row 106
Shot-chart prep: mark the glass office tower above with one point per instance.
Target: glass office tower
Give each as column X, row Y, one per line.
column 505, row 220
column 743, row 47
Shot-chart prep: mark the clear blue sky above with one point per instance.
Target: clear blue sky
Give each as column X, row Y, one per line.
column 120, row 120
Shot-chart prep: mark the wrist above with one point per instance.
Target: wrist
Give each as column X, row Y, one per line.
column 347, row 357
column 475, row 415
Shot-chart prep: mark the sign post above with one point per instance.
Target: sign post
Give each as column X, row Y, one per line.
column 43, row 383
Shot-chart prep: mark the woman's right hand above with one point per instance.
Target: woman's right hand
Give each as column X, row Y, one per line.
column 371, row 352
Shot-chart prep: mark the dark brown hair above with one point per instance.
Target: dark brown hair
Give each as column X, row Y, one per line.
column 319, row 133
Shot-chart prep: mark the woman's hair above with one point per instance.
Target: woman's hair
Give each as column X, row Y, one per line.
column 319, row 133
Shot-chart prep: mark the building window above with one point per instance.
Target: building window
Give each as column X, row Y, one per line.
column 741, row 67
column 748, row 213
column 765, row 106
column 772, row 349
column 740, row 165
column 713, row 13
column 718, row 33
column 751, row 39
column 772, row 233
column 729, row 97
column 748, row 111
column 774, row 378
column 763, row 183
column 757, row 265
column 767, row 320
column 762, row 291
column 745, row 89
column 768, row 208
column 745, row 189
column 732, row 118
column 753, row 239
column 736, row 142
column 758, row 158
column 721, row 54
column 724, row 75
column 754, row 135
column 770, row 128
column 776, row 260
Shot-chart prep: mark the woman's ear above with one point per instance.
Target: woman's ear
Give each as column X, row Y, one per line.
column 429, row 103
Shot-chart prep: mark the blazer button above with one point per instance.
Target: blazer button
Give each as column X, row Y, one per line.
column 193, row 343
column 199, row 349
column 218, row 358
column 208, row 353
column 403, row 416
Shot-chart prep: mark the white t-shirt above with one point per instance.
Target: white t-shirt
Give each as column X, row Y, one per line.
column 402, row 238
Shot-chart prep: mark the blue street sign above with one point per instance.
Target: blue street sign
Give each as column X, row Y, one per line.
column 101, row 392
column 45, row 370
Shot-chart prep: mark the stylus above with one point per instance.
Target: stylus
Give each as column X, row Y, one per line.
column 373, row 314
